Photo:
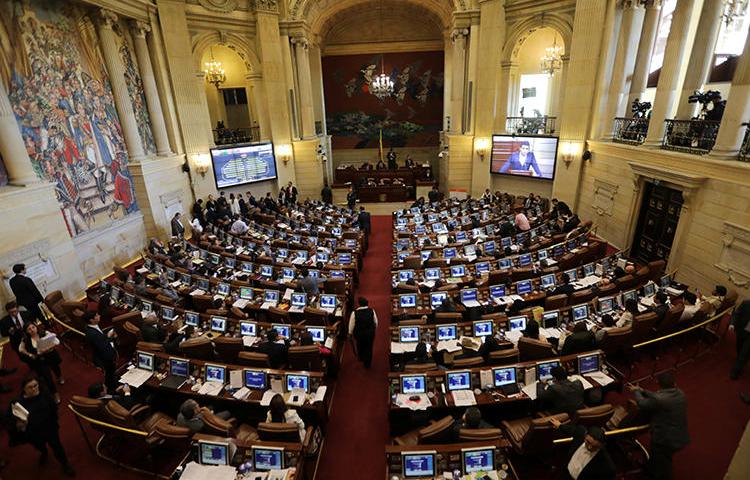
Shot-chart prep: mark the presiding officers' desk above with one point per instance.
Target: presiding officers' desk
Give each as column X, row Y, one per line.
column 474, row 460
column 383, row 193
column 243, row 390
column 410, row 175
column 500, row 391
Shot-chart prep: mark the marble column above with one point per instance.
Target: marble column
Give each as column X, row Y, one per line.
column 731, row 130
column 254, row 86
column 674, row 56
column 459, row 79
column 316, row 75
column 702, row 56
column 447, row 84
column 153, row 103
column 116, row 71
column 304, row 81
column 12, row 148
column 503, row 96
column 630, row 29
column 470, row 93
column 645, row 50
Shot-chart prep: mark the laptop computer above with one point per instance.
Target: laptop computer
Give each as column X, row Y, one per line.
column 179, row 371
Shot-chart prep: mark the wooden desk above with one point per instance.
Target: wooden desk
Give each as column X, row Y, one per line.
column 383, row 193
column 410, row 175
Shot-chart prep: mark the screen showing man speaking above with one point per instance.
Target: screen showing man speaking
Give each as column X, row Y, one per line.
column 527, row 156
column 243, row 164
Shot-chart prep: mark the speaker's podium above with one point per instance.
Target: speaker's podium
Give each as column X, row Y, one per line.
column 523, row 173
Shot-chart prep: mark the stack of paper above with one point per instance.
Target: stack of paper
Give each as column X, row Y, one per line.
column 586, row 384
column 240, row 303
column 464, row 398
column 135, row 377
column 530, row 390
column 601, row 378
column 513, row 336
column 471, row 343
column 197, row 291
column 398, row 347
column 320, row 394
column 242, row 393
column 248, row 341
column 267, row 396
column 211, row 388
column 196, row 471
column 449, row 346
column 402, row 400
column 20, row 412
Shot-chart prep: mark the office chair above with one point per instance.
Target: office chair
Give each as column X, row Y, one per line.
column 643, row 325
column 89, row 407
column 555, row 302
column 413, row 262
column 336, row 286
column 306, row 357
column 532, row 436
column 277, row 315
column 315, row 316
column 504, row 357
column 420, row 367
column 468, row 362
column 530, row 349
column 201, row 303
column 625, row 416
column 254, row 359
column 670, row 321
column 479, row 434
column 278, row 432
column 227, row 348
column 137, row 418
column 581, row 296
column 405, row 288
column 615, row 339
column 446, row 317
column 594, row 416
column 149, row 346
column 439, row 431
column 199, row 347
column 657, row 269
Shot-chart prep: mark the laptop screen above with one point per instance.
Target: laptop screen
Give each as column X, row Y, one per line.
column 437, row 299
column 408, row 334
column 318, row 333
column 588, row 363
column 216, row 373
column 213, row 453
column 413, row 384
column 572, row 274
column 268, row 458
column 446, row 332
column 299, row 299
column 589, row 269
column 469, row 295
column 271, row 296
column 449, row 252
column 505, row 263
column 606, row 305
column 418, row 464
column 524, row 259
column 284, row 331
column 516, row 323
column 551, row 319
column 404, row 275
column 548, row 281
column 482, row 267
column 145, row 361
column 504, row 376
column 483, row 328
column 255, row 379
column 266, row 271
column 408, row 300
column 523, row 287
column 544, row 369
column 246, row 293
column 478, row 460
column 541, row 254
column 248, row 329
column 432, row 273
column 218, row 324
column 458, row 271
column 458, row 380
column 580, row 312
column 167, row 313
column 297, row 382
column 192, row 319
column 497, row 291
column 179, row 367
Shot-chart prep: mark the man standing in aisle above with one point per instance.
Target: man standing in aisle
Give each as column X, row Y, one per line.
column 364, row 220
column 26, row 293
column 362, row 325
column 740, row 323
column 351, row 197
column 667, row 409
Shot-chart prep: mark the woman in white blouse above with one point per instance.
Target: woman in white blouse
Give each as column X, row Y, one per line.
column 628, row 316
column 38, row 349
column 279, row 413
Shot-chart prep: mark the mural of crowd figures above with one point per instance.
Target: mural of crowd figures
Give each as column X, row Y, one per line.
column 135, row 86
column 411, row 117
column 58, row 87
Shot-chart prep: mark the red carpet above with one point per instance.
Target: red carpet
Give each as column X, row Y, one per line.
column 358, row 427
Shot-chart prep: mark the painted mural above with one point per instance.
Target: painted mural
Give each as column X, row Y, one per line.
column 3, row 174
column 52, row 67
column 135, row 85
column 412, row 117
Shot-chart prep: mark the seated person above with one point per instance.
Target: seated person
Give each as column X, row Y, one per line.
column 490, row 345
column 620, row 272
column 380, row 165
column 716, row 298
column 422, row 355
column 140, row 286
column 191, row 415
column 661, row 307
column 471, row 419
column 692, row 304
column 580, row 340
column 532, row 331
column 560, row 395
column 172, row 345
column 628, row 316
column 279, row 413
column 589, row 459
column 566, row 288
column 150, row 330
column 306, row 339
column 609, row 324
column 276, row 350
column 156, row 246
column 98, row 391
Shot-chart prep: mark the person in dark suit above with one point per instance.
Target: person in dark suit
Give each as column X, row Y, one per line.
column 472, row 420
column 11, row 325
column 667, row 409
column 740, row 323
column 391, row 156
column 178, row 229
column 150, row 331
column 589, row 459
column 198, row 211
column 98, row 391
column 660, row 307
column 522, row 159
column 277, row 351
column 26, row 293
column 351, row 198
column 566, row 288
column 433, row 195
column 581, row 340
column 364, row 220
column 102, row 344
column 560, row 395
column 363, row 322
column 326, row 194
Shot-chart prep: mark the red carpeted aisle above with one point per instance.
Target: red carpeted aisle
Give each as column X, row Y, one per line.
column 358, row 427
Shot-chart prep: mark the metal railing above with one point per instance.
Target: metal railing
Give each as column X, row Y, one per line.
column 744, row 155
column 630, row 130
column 531, row 125
column 691, row 136
column 231, row 136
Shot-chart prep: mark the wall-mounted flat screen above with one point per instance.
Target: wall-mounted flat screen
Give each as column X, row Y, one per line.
column 526, row 156
column 241, row 164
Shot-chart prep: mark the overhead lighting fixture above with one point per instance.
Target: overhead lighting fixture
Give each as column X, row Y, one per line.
column 214, row 72
column 381, row 85
column 551, row 62
column 733, row 9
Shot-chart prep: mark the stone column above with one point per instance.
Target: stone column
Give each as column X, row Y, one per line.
column 316, row 75
column 116, row 71
column 158, row 127
column 674, row 55
column 702, row 55
column 254, row 85
column 470, row 93
column 559, row 96
column 504, row 96
column 12, row 149
column 304, row 80
column 645, row 50
column 459, row 79
column 731, row 130
column 630, row 28
column 447, row 84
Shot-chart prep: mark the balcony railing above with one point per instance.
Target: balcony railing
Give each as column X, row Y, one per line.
column 231, row 136
column 744, row 155
column 691, row 136
column 630, row 130
column 531, row 125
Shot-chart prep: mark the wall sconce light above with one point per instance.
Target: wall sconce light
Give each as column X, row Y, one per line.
column 482, row 146
column 321, row 153
column 568, row 151
column 201, row 161
column 284, row 152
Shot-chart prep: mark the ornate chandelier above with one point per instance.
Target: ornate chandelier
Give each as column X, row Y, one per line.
column 381, row 85
column 732, row 10
column 551, row 61
column 214, row 73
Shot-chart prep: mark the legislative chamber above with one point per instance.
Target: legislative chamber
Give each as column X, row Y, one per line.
column 375, row 239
